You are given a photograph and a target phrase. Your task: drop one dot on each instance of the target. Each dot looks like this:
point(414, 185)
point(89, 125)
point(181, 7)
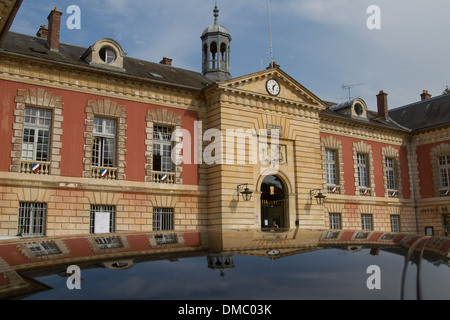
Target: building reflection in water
point(24, 261)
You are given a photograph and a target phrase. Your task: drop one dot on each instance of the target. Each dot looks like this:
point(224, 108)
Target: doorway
point(447, 225)
point(273, 205)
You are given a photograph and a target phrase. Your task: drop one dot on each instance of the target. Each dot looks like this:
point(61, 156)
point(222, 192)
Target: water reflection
point(228, 265)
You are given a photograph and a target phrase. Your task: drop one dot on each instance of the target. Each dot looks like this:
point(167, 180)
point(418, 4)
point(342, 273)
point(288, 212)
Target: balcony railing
point(392, 193)
point(365, 191)
point(163, 177)
point(36, 167)
point(444, 192)
point(334, 189)
point(107, 173)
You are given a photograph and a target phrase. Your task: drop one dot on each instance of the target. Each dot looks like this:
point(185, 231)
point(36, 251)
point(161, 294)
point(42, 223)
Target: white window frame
point(390, 173)
point(395, 223)
point(366, 221)
point(162, 147)
point(335, 221)
point(363, 179)
point(104, 139)
point(330, 167)
point(38, 121)
point(444, 171)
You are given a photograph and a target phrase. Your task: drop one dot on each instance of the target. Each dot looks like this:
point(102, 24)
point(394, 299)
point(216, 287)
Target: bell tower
point(216, 50)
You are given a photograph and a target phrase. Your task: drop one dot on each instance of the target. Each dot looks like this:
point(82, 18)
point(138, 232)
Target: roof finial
point(216, 14)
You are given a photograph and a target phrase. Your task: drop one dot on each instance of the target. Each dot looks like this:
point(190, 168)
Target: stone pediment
point(256, 84)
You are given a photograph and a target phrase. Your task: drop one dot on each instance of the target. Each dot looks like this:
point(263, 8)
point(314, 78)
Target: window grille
point(366, 222)
point(162, 219)
point(166, 238)
point(108, 242)
point(395, 223)
point(31, 220)
point(44, 248)
point(101, 208)
point(335, 221)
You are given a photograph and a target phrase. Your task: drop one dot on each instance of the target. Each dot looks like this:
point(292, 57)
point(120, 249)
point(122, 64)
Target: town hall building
point(96, 142)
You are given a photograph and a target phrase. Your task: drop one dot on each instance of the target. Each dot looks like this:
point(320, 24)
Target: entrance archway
point(273, 204)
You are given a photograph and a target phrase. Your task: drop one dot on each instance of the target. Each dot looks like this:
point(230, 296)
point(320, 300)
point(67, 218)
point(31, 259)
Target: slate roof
point(424, 114)
point(68, 54)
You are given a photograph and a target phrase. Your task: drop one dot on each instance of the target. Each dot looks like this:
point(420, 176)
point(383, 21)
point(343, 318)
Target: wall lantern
point(244, 191)
point(317, 193)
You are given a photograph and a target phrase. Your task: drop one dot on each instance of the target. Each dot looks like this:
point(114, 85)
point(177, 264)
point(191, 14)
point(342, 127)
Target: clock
point(273, 87)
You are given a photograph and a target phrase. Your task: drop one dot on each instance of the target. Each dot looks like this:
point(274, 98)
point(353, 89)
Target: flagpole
point(270, 35)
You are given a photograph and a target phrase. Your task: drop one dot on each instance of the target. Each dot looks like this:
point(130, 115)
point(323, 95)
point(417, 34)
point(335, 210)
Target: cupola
point(216, 50)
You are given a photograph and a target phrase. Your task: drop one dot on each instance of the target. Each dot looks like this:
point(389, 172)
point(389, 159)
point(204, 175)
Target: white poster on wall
point(101, 222)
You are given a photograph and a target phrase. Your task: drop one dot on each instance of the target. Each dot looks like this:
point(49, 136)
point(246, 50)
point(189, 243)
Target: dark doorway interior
point(273, 205)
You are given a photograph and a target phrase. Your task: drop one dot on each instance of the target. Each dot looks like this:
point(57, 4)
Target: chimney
point(425, 95)
point(54, 27)
point(382, 105)
point(42, 32)
point(166, 61)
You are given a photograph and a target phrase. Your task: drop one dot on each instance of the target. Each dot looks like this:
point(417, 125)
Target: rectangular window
point(366, 222)
point(108, 242)
point(43, 248)
point(104, 147)
point(330, 162)
point(102, 219)
point(444, 171)
point(362, 170)
point(36, 134)
point(390, 173)
point(335, 221)
point(32, 218)
point(162, 219)
point(395, 223)
point(162, 149)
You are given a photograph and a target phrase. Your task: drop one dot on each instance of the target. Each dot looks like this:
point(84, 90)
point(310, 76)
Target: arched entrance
point(273, 204)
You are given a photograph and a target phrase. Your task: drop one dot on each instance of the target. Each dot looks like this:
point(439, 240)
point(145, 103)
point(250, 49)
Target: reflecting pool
point(258, 267)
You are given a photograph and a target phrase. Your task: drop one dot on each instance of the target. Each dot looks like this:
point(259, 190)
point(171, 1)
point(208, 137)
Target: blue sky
point(322, 44)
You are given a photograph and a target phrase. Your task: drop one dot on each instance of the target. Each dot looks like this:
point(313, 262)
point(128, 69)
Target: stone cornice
point(362, 131)
point(24, 69)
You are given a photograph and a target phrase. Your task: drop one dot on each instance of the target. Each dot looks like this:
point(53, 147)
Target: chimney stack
point(382, 105)
point(425, 95)
point(42, 32)
point(54, 27)
point(166, 61)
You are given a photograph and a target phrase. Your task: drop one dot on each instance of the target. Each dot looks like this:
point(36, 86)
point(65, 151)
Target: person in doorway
point(275, 225)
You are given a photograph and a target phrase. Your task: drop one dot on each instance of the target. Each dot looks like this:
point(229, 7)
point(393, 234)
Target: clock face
point(273, 87)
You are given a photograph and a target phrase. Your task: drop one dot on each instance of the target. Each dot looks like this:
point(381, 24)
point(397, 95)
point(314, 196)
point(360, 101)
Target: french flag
point(103, 173)
point(333, 189)
point(35, 167)
point(164, 177)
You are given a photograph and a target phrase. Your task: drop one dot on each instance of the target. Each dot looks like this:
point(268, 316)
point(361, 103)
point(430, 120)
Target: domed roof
point(215, 27)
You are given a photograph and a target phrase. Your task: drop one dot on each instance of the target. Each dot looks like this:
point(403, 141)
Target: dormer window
point(359, 110)
point(105, 52)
